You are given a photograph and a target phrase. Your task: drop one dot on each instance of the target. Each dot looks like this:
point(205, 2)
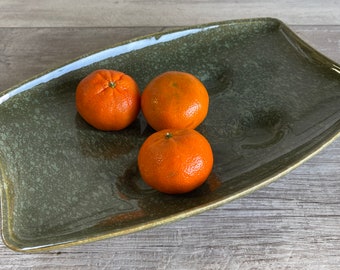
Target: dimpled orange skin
point(175, 99)
point(108, 99)
point(175, 161)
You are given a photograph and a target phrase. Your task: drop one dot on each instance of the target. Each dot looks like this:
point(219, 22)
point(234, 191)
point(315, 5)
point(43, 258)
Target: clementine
point(108, 99)
point(175, 99)
point(175, 161)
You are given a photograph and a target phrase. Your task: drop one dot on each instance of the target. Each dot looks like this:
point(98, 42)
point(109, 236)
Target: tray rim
point(8, 238)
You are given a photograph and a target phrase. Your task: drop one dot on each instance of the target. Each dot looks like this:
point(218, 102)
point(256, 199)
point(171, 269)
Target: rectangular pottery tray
point(274, 101)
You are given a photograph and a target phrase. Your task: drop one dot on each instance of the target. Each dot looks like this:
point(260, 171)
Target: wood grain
point(291, 224)
point(87, 13)
point(25, 52)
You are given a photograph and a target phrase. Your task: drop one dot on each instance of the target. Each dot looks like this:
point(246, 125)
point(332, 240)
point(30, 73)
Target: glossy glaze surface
point(274, 101)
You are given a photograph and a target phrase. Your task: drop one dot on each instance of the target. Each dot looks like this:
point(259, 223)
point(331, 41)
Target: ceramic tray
point(275, 101)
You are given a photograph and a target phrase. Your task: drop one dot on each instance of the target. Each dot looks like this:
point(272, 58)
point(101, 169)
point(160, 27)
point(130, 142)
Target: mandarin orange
point(175, 99)
point(175, 161)
point(108, 99)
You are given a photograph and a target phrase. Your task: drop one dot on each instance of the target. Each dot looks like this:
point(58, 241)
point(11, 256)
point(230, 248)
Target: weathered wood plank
point(291, 224)
point(87, 13)
point(25, 52)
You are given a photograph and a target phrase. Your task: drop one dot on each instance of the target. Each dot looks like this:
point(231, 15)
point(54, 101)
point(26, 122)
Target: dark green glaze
point(274, 101)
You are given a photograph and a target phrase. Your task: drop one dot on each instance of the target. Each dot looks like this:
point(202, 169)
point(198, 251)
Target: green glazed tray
point(274, 102)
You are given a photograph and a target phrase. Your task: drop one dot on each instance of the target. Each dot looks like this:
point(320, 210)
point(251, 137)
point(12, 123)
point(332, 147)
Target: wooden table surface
point(294, 223)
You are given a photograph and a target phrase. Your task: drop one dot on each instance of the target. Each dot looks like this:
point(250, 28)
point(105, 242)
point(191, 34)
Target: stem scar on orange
point(108, 99)
point(175, 99)
point(175, 161)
